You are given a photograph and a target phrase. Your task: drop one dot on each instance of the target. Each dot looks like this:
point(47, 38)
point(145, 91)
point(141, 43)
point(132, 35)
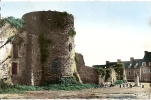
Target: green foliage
point(104, 72)
point(69, 86)
point(108, 74)
point(68, 80)
point(119, 82)
point(66, 14)
point(2, 22)
point(77, 61)
point(17, 23)
point(10, 39)
point(72, 33)
point(44, 50)
point(6, 88)
point(119, 69)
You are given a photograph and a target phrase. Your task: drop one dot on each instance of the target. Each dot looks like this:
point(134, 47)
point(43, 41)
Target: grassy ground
point(23, 88)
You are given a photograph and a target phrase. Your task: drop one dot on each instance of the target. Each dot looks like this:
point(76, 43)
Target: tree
point(119, 69)
point(104, 72)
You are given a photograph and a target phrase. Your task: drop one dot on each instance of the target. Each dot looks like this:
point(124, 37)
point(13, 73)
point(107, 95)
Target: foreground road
point(110, 92)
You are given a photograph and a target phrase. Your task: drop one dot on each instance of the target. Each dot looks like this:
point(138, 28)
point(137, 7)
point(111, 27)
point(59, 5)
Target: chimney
point(118, 60)
point(107, 62)
point(131, 59)
point(145, 52)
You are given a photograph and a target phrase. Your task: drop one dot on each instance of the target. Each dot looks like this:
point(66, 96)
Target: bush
point(119, 81)
point(72, 33)
point(17, 23)
point(68, 80)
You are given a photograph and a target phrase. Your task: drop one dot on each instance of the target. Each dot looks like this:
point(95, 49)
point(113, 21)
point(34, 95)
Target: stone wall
point(60, 62)
point(87, 74)
point(5, 68)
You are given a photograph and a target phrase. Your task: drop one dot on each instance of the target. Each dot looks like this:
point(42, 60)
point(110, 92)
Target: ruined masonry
point(5, 51)
point(26, 55)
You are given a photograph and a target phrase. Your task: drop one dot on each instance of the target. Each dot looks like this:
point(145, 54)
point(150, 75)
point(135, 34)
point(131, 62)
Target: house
point(141, 67)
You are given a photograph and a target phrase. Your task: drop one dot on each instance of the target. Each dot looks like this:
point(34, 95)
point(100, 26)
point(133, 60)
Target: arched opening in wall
point(70, 47)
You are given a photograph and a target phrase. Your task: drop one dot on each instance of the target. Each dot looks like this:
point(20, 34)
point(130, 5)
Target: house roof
point(133, 63)
point(146, 58)
point(126, 63)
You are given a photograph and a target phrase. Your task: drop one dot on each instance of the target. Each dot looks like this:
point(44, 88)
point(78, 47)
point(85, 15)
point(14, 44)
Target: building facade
point(141, 67)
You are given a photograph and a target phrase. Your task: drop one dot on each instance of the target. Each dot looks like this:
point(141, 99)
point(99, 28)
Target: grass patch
point(68, 86)
point(65, 84)
point(24, 88)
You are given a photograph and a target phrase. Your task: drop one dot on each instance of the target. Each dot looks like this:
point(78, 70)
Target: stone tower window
point(70, 47)
point(14, 68)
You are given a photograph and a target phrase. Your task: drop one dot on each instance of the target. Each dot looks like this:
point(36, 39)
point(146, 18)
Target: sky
point(106, 30)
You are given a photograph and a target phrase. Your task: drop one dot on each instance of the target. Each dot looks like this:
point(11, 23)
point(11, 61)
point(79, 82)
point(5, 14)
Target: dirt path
point(110, 92)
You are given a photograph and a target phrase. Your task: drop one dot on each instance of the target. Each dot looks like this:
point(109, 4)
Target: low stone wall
point(89, 75)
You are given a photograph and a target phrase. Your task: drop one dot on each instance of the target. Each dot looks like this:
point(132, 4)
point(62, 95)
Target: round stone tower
point(54, 56)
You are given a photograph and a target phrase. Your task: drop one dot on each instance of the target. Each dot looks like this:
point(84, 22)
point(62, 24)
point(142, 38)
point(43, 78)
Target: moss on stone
point(44, 50)
point(72, 32)
point(2, 22)
point(20, 41)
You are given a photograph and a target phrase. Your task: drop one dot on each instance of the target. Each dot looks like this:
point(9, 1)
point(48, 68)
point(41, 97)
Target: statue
point(136, 80)
point(136, 75)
